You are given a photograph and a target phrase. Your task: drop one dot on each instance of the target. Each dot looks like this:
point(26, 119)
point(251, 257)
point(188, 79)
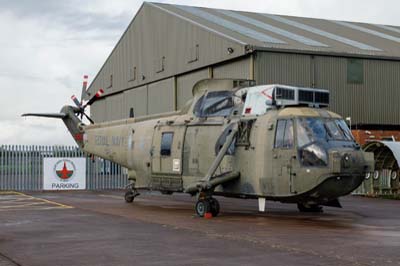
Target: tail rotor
point(80, 104)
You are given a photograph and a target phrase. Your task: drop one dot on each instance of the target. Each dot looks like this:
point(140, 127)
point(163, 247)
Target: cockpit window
point(214, 103)
point(316, 129)
point(333, 131)
point(345, 129)
point(284, 134)
point(316, 135)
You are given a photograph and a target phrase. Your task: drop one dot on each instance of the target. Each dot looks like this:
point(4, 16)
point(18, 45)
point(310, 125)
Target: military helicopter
point(233, 139)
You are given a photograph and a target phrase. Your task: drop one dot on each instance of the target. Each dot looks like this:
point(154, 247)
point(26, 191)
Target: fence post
point(2, 168)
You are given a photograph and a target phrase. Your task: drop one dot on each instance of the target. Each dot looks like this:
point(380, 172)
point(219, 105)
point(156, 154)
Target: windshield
point(315, 135)
point(311, 129)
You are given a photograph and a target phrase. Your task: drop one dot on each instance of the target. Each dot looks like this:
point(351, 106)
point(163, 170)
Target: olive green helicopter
point(232, 139)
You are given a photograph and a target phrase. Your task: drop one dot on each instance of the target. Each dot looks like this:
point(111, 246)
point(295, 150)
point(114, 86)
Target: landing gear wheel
point(129, 196)
point(202, 207)
point(214, 204)
point(309, 207)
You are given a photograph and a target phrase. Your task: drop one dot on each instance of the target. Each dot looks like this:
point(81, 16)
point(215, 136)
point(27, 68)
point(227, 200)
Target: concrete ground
point(99, 228)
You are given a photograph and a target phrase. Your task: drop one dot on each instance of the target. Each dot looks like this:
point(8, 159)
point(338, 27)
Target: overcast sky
point(46, 46)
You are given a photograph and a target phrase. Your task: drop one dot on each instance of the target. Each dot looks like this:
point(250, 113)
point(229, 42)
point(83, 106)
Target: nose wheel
point(204, 206)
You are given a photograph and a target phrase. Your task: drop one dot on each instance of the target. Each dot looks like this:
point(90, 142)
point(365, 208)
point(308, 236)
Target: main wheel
point(129, 196)
point(202, 207)
point(309, 207)
point(214, 204)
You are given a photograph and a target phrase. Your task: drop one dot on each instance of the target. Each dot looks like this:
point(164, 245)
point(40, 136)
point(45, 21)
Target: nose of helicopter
point(352, 162)
point(347, 172)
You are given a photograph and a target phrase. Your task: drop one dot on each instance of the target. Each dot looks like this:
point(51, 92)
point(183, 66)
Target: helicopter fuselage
point(172, 152)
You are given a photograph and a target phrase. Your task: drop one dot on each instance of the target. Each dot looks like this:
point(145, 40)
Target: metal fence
point(21, 168)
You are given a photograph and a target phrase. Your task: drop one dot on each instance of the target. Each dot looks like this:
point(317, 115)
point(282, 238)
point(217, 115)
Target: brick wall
point(363, 136)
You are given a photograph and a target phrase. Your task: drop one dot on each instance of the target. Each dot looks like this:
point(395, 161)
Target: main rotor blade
point(98, 95)
point(49, 115)
point(84, 87)
point(76, 101)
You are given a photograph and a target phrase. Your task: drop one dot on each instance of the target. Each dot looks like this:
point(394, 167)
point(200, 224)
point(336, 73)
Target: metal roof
point(285, 33)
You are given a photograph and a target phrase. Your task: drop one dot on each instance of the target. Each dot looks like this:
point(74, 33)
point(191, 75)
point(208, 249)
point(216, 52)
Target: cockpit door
point(284, 156)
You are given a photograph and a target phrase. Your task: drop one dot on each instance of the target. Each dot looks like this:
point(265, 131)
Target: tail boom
point(71, 121)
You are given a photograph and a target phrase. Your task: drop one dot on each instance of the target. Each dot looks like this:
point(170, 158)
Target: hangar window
point(284, 134)
point(166, 143)
point(131, 112)
point(355, 71)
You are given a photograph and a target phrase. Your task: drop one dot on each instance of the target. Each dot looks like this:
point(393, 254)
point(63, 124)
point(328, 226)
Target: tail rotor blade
point(88, 117)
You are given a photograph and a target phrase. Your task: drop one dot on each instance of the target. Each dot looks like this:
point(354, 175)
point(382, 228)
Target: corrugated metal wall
point(157, 97)
point(161, 96)
point(21, 168)
point(114, 107)
point(237, 69)
point(158, 45)
point(137, 99)
point(98, 111)
point(289, 69)
point(374, 101)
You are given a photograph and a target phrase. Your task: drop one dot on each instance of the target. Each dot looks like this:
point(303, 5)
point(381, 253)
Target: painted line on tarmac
point(34, 202)
point(45, 200)
point(8, 193)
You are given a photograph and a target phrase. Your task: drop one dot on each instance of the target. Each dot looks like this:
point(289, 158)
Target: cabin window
point(284, 134)
point(131, 112)
point(214, 103)
point(166, 143)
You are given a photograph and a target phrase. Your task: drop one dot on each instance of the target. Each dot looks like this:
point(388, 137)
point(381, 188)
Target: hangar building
point(166, 49)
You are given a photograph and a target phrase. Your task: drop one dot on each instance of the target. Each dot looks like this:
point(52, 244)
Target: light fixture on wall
point(230, 50)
